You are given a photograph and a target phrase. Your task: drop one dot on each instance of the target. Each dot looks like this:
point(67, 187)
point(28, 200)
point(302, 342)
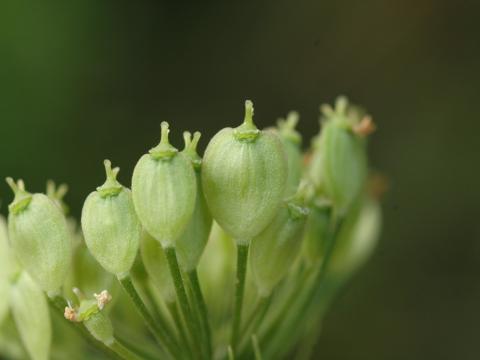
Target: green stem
point(160, 336)
point(171, 255)
point(142, 350)
point(304, 302)
point(177, 319)
point(123, 352)
point(242, 256)
point(202, 307)
point(256, 348)
point(59, 304)
point(255, 320)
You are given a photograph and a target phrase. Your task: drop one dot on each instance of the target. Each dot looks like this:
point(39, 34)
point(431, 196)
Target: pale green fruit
point(100, 326)
point(4, 269)
point(244, 175)
point(343, 158)
point(191, 243)
point(292, 142)
point(32, 318)
point(39, 237)
point(156, 265)
point(275, 249)
point(357, 241)
point(217, 271)
point(164, 191)
point(110, 225)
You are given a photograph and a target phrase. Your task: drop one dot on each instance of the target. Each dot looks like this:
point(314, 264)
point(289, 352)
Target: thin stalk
point(159, 316)
point(160, 336)
point(255, 320)
point(182, 298)
point(59, 304)
point(306, 300)
point(242, 257)
point(177, 319)
point(202, 307)
point(123, 352)
point(144, 352)
point(256, 348)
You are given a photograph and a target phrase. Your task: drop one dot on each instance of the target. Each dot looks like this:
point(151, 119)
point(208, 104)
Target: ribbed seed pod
point(292, 142)
point(32, 317)
point(357, 239)
point(110, 225)
point(192, 242)
point(156, 265)
point(164, 191)
point(39, 237)
point(343, 154)
point(4, 269)
point(90, 313)
point(244, 175)
point(100, 327)
point(275, 249)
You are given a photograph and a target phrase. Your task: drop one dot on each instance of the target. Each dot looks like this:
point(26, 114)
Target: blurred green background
point(82, 80)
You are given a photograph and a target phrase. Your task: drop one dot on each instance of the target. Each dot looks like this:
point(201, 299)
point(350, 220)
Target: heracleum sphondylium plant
point(234, 256)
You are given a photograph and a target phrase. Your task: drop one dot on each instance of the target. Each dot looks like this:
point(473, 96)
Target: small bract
point(244, 174)
point(110, 225)
point(164, 191)
point(39, 237)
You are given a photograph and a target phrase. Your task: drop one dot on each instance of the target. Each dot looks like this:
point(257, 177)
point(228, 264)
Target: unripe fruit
point(292, 142)
point(32, 317)
point(358, 238)
point(100, 327)
point(344, 161)
point(164, 191)
point(4, 269)
point(192, 242)
point(156, 265)
point(244, 174)
point(110, 225)
point(275, 249)
point(39, 237)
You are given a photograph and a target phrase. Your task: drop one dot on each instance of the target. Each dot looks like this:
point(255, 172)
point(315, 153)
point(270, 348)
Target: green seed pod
point(244, 175)
point(90, 313)
point(4, 269)
point(100, 327)
point(275, 249)
point(357, 239)
point(110, 225)
point(32, 317)
point(316, 232)
point(191, 244)
point(39, 237)
point(344, 161)
point(217, 271)
point(292, 142)
point(164, 191)
point(156, 265)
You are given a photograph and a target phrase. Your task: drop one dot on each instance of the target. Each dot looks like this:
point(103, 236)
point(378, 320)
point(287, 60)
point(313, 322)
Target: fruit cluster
point(234, 255)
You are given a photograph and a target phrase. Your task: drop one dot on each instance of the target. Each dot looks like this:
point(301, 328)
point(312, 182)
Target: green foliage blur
point(84, 80)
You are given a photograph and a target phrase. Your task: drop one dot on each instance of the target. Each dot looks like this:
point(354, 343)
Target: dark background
point(82, 80)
